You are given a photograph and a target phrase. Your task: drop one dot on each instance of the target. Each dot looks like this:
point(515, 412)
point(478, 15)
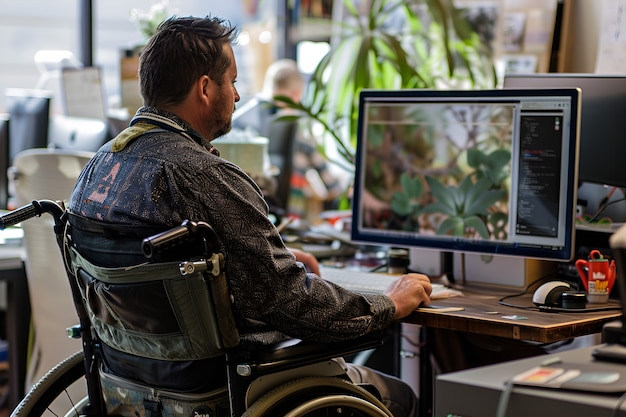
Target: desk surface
point(483, 314)
point(477, 392)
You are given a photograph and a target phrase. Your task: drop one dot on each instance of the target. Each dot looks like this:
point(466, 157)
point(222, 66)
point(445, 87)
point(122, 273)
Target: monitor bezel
point(477, 247)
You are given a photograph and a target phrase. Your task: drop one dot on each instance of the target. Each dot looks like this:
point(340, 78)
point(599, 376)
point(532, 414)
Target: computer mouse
point(549, 294)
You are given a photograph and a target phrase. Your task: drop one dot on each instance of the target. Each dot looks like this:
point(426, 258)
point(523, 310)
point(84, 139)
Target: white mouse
point(549, 294)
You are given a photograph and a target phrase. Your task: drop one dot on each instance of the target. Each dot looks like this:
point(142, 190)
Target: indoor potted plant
point(390, 44)
point(147, 23)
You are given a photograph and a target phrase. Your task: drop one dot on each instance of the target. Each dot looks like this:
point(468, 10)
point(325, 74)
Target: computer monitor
point(602, 127)
point(29, 110)
point(79, 133)
point(479, 171)
point(82, 92)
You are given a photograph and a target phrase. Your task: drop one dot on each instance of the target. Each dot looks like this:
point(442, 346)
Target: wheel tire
point(338, 402)
point(293, 394)
point(52, 387)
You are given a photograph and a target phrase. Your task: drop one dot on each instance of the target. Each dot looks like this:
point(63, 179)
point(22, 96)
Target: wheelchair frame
point(291, 379)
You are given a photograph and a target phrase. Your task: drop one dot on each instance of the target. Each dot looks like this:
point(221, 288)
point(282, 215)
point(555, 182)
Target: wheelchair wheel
point(61, 392)
point(337, 404)
point(318, 396)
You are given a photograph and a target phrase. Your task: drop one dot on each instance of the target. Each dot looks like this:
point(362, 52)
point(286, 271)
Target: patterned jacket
point(169, 174)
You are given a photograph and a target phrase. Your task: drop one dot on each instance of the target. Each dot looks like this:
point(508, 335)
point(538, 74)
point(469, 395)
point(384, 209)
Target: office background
point(32, 25)
point(28, 26)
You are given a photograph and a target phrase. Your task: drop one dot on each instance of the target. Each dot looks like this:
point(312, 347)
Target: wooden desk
point(483, 315)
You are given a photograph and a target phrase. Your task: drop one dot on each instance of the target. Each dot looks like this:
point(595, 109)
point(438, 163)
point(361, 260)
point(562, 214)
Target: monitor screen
point(483, 171)
point(29, 110)
point(602, 128)
point(82, 92)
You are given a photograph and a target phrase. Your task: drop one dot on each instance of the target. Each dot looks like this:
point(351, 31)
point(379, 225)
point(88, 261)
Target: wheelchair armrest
point(294, 352)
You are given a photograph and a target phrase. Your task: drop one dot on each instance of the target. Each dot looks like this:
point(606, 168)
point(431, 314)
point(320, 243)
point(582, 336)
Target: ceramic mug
point(598, 276)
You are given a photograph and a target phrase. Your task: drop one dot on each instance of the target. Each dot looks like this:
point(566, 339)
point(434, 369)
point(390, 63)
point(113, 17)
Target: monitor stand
point(428, 261)
point(499, 271)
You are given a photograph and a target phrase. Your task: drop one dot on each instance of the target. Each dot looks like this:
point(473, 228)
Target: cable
point(379, 267)
point(503, 402)
point(524, 292)
point(602, 208)
point(551, 309)
point(619, 405)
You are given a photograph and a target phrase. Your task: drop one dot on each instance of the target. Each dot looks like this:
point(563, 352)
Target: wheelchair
point(192, 320)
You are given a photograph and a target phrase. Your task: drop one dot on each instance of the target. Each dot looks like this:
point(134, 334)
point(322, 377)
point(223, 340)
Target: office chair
point(282, 139)
point(261, 117)
point(50, 174)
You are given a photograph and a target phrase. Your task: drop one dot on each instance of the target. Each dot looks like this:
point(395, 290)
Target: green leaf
point(412, 186)
point(475, 158)
point(441, 194)
point(370, 53)
point(401, 204)
point(477, 224)
point(437, 207)
point(451, 226)
point(487, 199)
point(474, 192)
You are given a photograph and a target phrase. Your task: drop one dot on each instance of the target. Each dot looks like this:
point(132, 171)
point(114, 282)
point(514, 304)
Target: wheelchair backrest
point(160, 311)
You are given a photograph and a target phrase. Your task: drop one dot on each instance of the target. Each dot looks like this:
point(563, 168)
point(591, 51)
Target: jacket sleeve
point(270, 290)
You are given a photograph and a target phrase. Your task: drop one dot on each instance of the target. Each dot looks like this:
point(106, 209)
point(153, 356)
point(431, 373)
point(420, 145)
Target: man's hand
point(309, 261)
point(409, 292)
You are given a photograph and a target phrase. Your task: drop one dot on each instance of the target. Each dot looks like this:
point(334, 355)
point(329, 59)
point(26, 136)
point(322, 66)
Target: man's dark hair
point(181, 51)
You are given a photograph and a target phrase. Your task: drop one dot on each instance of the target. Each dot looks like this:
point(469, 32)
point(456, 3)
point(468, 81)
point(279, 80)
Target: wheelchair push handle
point(34, 209)
point(157, 243)
point(163, 241)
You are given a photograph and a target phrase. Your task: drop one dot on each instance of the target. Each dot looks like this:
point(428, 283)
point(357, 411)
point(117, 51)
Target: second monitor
point(602, 129)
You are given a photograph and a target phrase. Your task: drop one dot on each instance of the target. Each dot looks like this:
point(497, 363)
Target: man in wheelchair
point(162, 170)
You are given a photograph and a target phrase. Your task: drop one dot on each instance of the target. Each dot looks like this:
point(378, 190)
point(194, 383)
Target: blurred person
point(312, 178)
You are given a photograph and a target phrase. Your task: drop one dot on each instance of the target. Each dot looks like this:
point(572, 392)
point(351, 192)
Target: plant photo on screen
point(451, 178)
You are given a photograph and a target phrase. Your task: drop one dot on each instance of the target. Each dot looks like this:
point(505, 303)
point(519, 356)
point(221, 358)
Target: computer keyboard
point(366, 282)
point(357, 280)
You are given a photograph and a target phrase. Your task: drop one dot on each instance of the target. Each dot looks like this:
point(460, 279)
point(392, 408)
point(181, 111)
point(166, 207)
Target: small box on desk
point(500, 271)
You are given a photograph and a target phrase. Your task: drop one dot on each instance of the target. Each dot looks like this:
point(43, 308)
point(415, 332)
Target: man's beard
point(224, 130)
point(227, 127)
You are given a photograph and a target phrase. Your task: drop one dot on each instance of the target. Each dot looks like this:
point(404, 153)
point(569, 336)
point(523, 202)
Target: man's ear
point(204, 86)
